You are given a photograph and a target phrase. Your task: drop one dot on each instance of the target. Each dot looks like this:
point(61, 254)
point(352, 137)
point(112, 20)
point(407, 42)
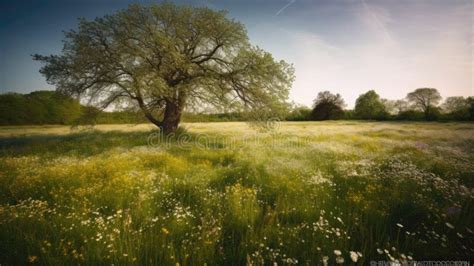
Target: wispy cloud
point(285, 7)
point(377, 19)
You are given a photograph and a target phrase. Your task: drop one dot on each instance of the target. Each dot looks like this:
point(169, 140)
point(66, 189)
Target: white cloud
point(397, 50)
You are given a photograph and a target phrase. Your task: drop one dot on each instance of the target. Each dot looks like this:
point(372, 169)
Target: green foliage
point(459, 115)
point(120, 117)
point(455, 104)
point(218, 117)
point(470, 101)
point(300, 113)
point(38, 107)
point(46, 107)
point(163, 58)
point(327, 106)
point(411, 115)
point(425, 99)
point(349, 115)
point(369, 106)
point(13, 109)
point(433, 114)
point(457, 108)
point(395, 107)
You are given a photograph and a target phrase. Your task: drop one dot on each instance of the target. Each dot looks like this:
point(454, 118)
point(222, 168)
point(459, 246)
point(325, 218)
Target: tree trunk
point(171, 118)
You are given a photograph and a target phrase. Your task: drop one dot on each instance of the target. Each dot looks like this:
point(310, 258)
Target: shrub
point(411, 115)
point(299, 114)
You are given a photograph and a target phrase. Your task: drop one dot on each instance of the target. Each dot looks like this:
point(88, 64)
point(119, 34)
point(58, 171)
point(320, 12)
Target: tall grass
point(312, 193)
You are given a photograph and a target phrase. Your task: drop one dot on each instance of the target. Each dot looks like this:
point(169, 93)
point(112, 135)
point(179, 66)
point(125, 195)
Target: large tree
point(327, 106)
point(164, 58)
point(425, 99)
point(370, 106)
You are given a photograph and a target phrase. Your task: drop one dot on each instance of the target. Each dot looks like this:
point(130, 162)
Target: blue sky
point(347, 47)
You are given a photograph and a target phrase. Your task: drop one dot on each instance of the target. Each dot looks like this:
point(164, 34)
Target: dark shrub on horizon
point(328, 106)
point(411, 115)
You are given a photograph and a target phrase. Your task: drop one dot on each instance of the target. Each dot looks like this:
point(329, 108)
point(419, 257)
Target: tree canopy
point(455, 104)
point(327, 106)
point(38, 107)
point(457, 108)
point(370, 106)
point(164, 58)
point(425, 99)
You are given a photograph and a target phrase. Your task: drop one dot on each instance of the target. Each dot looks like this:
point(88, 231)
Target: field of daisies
point(304, 193)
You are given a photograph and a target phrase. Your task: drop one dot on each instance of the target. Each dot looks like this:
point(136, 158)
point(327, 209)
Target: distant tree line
point(424, 104)
point(420, 104)
point(38, 107)
point(51, 107)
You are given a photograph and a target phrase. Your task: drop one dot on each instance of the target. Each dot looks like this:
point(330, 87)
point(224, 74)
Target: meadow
point(303, 193)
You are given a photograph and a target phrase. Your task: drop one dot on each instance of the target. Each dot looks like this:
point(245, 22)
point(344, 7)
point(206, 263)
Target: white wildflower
point(354, 256)
point(450, 225)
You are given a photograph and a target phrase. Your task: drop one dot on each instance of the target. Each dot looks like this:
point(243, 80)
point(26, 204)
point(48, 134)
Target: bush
point(411, 115)
point(299, 114)
point(433, 114)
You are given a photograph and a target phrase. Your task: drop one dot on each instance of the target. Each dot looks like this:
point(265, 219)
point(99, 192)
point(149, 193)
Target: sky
point(344, 46)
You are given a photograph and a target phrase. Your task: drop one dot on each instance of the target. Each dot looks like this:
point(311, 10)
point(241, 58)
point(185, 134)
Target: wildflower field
point(303, 193)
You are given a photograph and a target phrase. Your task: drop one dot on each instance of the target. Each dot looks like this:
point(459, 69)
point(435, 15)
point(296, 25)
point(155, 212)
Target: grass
point(224, 193)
